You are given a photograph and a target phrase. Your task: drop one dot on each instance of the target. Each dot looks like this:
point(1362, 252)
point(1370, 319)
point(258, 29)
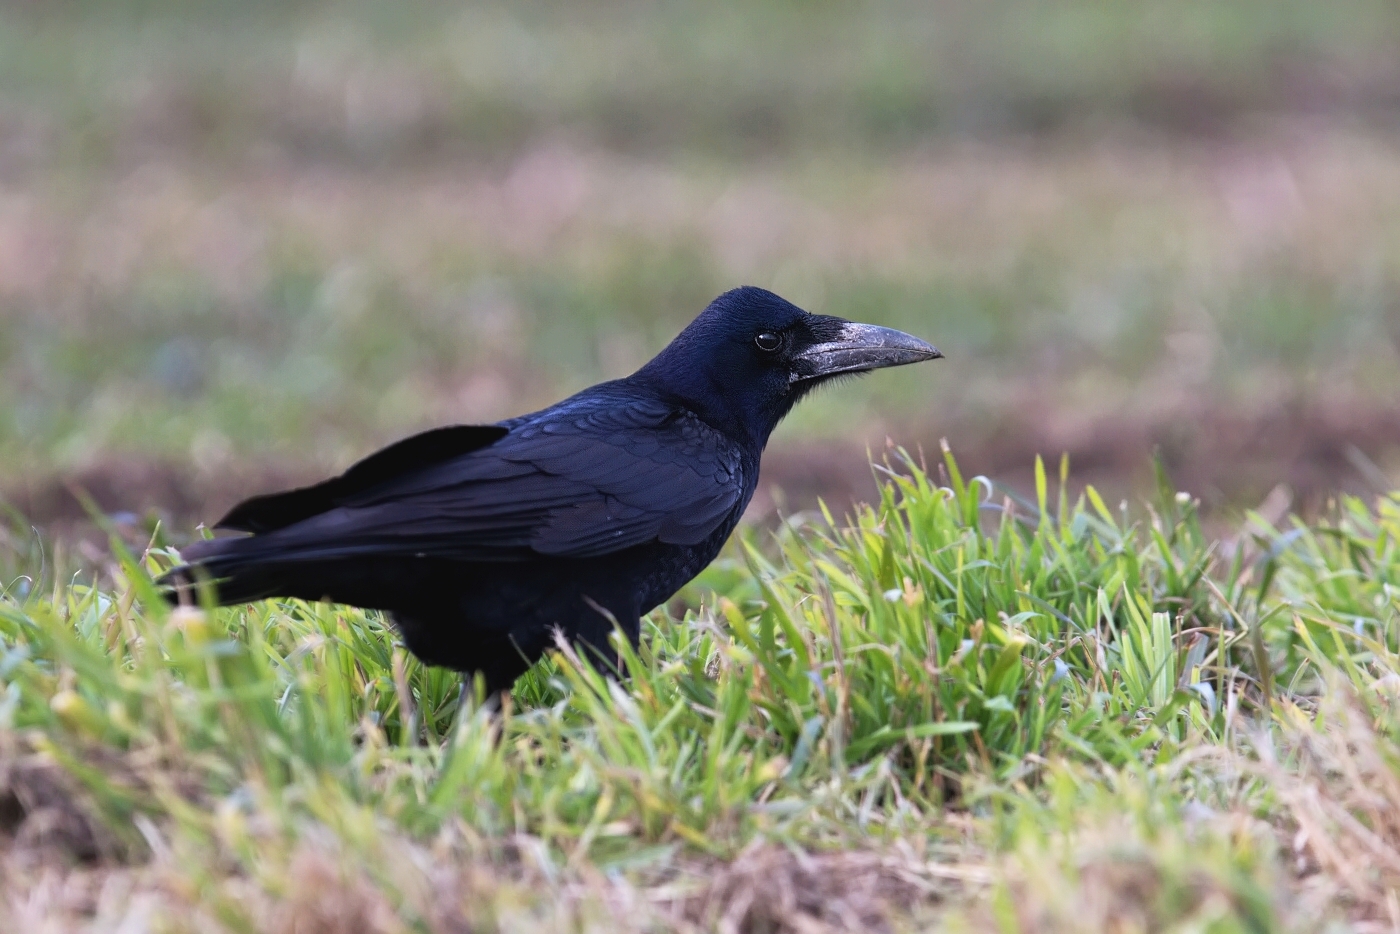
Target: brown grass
point(43, 812)
point(1339, 787)
point(456, 884)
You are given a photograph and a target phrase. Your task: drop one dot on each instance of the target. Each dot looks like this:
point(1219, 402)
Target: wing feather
point(587, 478)
point(280, 510)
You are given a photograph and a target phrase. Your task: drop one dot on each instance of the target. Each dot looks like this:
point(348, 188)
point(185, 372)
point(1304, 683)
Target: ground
point(1048, 716)
point(244, 243)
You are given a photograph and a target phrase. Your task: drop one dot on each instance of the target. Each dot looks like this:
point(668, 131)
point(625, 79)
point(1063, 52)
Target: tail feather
point(232, 570)
point(242, 570)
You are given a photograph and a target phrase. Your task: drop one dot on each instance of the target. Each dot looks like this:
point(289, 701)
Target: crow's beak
point(858, 348)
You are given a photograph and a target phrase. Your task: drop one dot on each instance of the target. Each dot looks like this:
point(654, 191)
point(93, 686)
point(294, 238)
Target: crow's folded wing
point(279, 510)
point(580, 480)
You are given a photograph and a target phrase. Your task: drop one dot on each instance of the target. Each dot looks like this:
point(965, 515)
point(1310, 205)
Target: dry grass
point(1115, 872)
point(320, 889)
point(43, 811)
point(1337, 779)
point(62, 871)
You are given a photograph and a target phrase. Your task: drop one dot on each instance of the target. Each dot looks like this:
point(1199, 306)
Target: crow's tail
point(234, 570)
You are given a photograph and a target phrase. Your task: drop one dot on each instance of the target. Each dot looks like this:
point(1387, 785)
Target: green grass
point(1046, 715)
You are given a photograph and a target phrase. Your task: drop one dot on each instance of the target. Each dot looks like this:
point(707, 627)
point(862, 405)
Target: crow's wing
point(279, 510)
point(586, 478)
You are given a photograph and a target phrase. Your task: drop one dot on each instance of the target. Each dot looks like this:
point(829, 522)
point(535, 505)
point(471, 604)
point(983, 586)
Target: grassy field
point(244, 243)
point(952, 709)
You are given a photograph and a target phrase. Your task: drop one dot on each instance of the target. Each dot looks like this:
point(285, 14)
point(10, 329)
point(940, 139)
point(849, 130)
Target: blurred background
point(244, 243)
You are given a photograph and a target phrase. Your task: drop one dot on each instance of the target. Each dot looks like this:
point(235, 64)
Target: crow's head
point(750, 356)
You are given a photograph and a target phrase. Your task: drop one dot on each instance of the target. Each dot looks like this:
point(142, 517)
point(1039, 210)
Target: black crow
point(480, 540)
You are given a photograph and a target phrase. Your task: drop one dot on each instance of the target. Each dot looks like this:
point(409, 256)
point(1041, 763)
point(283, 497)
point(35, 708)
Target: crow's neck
point(746, 420)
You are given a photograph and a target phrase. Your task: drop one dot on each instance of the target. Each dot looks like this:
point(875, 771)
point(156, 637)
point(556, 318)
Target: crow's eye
point(768, 341)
